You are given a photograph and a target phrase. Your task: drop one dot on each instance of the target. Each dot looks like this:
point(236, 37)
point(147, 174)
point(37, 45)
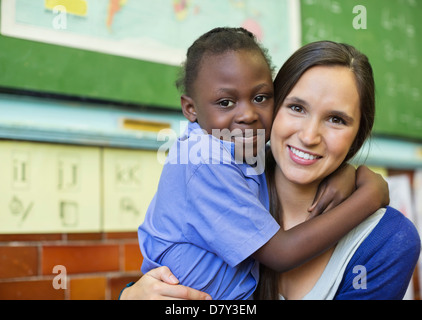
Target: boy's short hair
point(214, 42)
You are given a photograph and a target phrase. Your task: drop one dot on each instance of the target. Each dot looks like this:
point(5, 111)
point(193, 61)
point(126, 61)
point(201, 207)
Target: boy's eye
point(260, 99)
point(226, 103)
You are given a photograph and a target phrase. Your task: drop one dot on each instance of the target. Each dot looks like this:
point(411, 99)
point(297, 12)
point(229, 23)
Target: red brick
point(88, 288)
point(133, 257)
point(18, 261)
point(81, 258)
point(30, 290)
point(84, 236)
point(122, 235)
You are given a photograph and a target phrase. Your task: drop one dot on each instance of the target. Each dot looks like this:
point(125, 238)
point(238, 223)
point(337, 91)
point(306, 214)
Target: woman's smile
point(302, 157)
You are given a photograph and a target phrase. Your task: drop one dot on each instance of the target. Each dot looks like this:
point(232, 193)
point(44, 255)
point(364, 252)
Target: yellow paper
point(130, 182)
point(47, 188)
point(77, 7)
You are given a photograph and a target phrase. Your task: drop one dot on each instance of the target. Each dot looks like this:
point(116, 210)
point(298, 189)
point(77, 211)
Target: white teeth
point(302, 154)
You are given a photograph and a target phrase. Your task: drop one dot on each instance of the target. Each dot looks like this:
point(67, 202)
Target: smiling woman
point(316, 124)
point(324, 111)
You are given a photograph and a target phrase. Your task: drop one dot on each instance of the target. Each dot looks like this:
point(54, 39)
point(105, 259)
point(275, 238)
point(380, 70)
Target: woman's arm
point(291, 248)
point(161, 284)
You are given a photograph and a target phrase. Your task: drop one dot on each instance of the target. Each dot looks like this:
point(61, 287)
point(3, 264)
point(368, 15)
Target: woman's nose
point(310, 134)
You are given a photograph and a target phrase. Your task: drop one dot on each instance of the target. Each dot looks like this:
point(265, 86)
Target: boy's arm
point(289, 249)
point(333, 190)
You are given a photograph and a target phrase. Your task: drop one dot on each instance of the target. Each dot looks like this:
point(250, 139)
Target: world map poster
point(158, 30)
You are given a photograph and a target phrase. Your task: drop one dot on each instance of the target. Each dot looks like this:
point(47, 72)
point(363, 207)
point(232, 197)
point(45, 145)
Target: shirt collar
point(194, 128)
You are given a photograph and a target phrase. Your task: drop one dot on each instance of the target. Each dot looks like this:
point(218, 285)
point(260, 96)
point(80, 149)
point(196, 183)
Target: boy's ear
point(188, 108)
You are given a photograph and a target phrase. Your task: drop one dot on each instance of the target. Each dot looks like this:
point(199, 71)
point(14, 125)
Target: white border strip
point(296, 31)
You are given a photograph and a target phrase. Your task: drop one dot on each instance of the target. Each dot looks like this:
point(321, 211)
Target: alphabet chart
point(49, 188)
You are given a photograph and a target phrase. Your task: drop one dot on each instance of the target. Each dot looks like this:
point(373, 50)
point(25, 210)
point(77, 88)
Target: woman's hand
point(334, 190)
point(161, 284)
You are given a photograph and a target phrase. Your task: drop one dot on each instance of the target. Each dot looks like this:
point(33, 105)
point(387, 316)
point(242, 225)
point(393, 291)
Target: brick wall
point(98, 265)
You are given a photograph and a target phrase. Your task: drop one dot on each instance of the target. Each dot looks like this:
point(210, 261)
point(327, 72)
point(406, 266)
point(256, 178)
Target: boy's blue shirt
point(206, 219)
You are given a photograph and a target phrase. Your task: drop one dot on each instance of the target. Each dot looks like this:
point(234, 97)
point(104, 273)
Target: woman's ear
point(188, 108)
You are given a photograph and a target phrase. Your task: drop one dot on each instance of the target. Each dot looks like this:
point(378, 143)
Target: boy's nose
point(247, 113)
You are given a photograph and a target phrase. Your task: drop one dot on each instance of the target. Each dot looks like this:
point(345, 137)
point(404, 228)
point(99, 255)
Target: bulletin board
point(389, 33)
point(125, 50)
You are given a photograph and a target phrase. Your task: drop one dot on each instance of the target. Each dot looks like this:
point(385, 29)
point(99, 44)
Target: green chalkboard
point(41, 67)
point(391, 39)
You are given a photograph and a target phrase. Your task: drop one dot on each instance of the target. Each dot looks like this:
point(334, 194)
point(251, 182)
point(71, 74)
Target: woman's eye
point(337, 120)
point(226, 103)
point(296, 108)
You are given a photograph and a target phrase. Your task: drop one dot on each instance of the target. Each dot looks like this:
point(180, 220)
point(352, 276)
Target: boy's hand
point(333, 190)
point(375, 184)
